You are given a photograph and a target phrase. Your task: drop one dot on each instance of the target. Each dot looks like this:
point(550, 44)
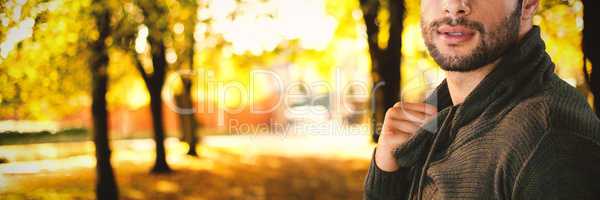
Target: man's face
point(464, 35)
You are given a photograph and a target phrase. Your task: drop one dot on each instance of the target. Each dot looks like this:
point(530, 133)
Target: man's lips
point(454, 35)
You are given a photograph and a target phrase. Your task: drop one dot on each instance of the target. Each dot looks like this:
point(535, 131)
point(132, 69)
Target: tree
point(154, 18)
point(155, 22)
point(385, 56)
point(591, 43)
point(106, 186)
point(188, 124)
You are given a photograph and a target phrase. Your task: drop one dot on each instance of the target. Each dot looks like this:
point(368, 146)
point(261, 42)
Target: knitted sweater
point(523, 133)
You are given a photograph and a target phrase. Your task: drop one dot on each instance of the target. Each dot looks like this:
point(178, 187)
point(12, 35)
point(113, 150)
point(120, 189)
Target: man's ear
point(529, 8)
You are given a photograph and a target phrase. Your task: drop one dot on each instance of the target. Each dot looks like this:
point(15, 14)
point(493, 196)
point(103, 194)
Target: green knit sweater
point(523, 133)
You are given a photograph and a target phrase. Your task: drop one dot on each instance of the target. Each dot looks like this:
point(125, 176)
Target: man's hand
point(400, 123)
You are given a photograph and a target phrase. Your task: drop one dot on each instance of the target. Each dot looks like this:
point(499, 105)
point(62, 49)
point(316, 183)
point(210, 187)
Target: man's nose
point(456, 8)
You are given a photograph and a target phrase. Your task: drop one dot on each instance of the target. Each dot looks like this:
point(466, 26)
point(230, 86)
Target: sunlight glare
point(140, 41)
point(15, 35)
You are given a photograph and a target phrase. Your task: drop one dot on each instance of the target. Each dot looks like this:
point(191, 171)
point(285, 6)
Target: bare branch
point(140, 67)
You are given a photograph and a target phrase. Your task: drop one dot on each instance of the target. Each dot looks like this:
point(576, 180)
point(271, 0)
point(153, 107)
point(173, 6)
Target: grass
point(13, 137)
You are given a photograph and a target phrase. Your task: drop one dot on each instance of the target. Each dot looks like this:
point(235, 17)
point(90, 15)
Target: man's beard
point(491, 46)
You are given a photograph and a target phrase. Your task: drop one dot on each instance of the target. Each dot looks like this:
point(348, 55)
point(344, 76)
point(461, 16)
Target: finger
point(429, 118)
point(420, 107)
point(405, 126)
point(392, 131)
point(408, 115)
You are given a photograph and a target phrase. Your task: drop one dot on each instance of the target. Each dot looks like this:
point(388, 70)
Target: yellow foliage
point(55, 55)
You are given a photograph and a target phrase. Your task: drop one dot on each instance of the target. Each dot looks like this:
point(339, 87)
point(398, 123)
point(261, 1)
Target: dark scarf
point(519, 74)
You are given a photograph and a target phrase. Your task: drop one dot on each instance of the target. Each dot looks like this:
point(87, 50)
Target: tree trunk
point(155, 17)
point(106, 186)
point(160, 163)
point(385, 62)
point(591, 43)
point(156, 83)
point(187, 121)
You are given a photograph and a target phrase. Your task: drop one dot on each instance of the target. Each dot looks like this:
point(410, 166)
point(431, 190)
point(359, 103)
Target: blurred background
point(219, 99)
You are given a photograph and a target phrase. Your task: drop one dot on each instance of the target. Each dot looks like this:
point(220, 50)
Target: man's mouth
point(455, 35)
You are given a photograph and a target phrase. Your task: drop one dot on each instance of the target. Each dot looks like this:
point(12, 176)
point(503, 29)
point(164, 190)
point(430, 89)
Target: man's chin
point(449, 51)
point(458, 68)
point(457, 64)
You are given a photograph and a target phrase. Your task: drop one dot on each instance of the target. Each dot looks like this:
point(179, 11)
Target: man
point(501, 125)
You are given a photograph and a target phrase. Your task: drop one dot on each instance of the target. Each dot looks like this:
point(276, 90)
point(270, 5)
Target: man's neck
point(461, 84)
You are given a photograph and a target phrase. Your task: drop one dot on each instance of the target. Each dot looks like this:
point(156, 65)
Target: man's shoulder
point(556, 106)
point(557, 109)
point(553, 132)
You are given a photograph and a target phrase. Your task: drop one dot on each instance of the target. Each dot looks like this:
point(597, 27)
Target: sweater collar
point(520, 73)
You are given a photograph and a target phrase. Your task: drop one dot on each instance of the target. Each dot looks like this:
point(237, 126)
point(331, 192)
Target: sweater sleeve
point(564, 165)
point(382, 185)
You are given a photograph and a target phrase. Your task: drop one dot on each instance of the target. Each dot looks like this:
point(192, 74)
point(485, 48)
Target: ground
point(229, 167)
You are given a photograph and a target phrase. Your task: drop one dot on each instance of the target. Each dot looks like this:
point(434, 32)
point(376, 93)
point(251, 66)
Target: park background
point(78, 78)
